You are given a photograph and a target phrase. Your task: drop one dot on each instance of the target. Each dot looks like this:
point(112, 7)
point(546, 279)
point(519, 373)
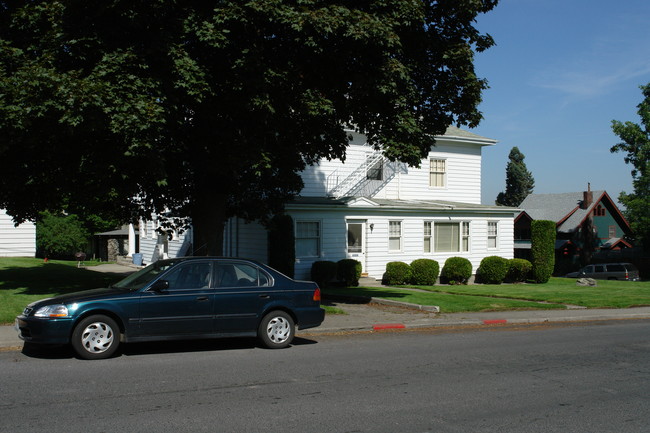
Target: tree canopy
point(636, 146)
point(208, 110)
point(519, 181)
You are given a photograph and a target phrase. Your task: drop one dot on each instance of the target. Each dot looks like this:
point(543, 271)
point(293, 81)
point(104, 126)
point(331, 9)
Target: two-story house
point(377, 211)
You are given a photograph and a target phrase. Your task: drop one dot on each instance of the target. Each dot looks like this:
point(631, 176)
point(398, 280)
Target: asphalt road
point(535, 378)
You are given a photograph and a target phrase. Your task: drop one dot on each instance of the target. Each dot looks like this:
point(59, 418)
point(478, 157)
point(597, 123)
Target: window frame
point(437, 174)
point(463, 239)
point(392, 236)
point(317, 238)
point(493, 235)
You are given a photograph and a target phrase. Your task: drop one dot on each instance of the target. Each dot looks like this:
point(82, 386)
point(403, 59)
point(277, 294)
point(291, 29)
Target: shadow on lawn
point(53, 278)
point(360, 295)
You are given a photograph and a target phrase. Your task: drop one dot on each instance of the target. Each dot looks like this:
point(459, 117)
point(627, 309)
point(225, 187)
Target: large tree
point(636, 145)
point(519, 181)
point(208, 110)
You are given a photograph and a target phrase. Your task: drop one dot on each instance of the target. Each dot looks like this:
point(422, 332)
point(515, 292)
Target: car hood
point(85, 295)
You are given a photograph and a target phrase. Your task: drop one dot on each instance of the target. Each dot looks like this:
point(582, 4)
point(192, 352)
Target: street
point(584, 377)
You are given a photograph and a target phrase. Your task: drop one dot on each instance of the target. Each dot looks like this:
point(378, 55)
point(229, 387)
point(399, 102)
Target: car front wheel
point(276, 330)
point(96, 337)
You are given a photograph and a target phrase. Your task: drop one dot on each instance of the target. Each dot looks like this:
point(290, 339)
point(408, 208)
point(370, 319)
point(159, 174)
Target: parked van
point(608, 271)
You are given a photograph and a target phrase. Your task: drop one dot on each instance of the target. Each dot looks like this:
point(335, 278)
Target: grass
point(607, 294)
point(448, 303)
point(25, 280)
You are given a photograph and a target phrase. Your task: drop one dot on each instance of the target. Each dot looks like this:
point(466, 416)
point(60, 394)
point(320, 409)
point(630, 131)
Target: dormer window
point(375, 171)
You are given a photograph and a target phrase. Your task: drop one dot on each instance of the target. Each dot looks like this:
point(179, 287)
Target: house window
point(308, 239)
point(437, 173)
point(374, 171)
point(451, 237)
point(599, 211)
point(394, 236)
point(427, 236)
point(465, 236)
point(492, 234)
point(612, 231)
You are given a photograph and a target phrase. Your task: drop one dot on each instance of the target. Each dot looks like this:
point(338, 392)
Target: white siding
point(247, 240)
point(463, 181)
point(333, 245)
point(151, 251)
point(16, 241)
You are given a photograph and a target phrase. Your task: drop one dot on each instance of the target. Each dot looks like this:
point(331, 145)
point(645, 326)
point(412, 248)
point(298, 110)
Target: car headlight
point(52, 311)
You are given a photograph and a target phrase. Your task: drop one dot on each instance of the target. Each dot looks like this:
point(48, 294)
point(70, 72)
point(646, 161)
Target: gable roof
point(454, 133)
point(565, 209)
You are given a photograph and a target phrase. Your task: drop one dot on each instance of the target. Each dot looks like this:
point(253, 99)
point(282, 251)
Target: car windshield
point(144, 276)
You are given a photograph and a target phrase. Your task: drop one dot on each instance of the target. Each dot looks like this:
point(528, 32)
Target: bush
point(493, 270)
point(322, 272)
point(457, 270)
point(518, 270)
point(348, 271)
point(397, 273)
point(60, 235)
point(424, 272)
point(542, 237)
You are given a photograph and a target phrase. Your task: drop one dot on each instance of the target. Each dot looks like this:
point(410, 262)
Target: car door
point(184, 307)
point(242, 290)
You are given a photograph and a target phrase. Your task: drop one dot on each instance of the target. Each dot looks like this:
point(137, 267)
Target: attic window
point(437, 172)
point(599, 211)
point(375, 171)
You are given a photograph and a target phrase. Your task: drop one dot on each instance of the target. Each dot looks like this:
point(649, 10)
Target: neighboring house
point(377, 211)
point(571, 212)
point(16, 241)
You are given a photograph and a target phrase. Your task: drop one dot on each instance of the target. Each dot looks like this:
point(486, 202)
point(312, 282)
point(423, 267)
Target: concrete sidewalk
point(375, 316)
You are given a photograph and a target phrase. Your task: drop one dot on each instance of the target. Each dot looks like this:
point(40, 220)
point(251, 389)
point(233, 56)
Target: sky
point(560, 72)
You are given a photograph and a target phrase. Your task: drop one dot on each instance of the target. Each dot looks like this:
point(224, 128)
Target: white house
point(16, 241)
point(377, 211)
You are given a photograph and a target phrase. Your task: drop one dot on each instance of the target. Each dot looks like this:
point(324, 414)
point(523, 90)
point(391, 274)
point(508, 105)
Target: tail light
point(317, 294)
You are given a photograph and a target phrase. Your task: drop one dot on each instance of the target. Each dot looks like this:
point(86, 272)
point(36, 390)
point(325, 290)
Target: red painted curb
point(494, 322)
point(388, 326)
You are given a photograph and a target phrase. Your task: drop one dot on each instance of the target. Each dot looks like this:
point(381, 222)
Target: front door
point(356, 248)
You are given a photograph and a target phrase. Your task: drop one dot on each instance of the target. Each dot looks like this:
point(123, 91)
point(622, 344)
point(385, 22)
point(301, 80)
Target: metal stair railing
point(355, 178)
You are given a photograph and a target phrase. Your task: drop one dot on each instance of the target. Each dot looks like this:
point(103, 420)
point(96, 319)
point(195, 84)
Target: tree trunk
point(208, 222)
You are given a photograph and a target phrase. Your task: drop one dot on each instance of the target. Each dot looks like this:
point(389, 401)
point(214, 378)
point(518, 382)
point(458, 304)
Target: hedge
point(493, 270)
point(457, 270)
point(348, 271)
point(397, 273)
point(518, 270)
point(424, 272)
point(542, 239)
point(323, 272)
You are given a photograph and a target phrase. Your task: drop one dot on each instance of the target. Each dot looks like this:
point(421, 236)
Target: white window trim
point(319, 247)
point(400, 237)
point(429, 236)
point(461, 236)
point(495, 236)
point(444, 173)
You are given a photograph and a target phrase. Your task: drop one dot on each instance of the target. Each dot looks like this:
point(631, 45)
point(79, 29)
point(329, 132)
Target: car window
point(144, 276)
point(588, 269)
point(235, 274)
point(615, 268)
point(189, 276)
point(599, 268)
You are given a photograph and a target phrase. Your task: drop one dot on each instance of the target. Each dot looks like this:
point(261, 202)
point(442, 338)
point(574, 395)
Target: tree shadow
point(54, 279)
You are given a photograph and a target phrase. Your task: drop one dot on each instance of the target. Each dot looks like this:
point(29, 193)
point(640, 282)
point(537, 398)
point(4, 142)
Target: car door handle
point(264, 296)
point(202, 298)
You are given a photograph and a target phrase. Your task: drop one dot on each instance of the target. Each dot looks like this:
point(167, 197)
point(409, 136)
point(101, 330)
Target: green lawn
point(607, 294)
point(25, 280)
point(448, 303)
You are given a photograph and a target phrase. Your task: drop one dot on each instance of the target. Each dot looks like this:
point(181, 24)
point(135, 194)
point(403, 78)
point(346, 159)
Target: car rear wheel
point(96, 337)
point(276, 330)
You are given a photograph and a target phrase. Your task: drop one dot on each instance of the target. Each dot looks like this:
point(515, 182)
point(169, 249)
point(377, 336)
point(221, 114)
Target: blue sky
point(561, 71)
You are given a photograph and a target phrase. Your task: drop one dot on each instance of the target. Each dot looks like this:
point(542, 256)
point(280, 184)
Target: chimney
point(587, 197)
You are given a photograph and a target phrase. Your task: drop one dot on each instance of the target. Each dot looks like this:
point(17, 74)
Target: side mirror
point(160, 286)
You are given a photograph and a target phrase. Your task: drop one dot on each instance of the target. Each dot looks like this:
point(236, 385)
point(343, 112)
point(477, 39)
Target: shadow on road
point(155, 348)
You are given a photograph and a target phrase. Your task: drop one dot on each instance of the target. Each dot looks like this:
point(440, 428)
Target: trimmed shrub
point(348, 271)
point(518, 270)
point(323, 272)
point(457, 270)
point(397, 273)
point(424, 272)
point(493, 270)
point(542, 237)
